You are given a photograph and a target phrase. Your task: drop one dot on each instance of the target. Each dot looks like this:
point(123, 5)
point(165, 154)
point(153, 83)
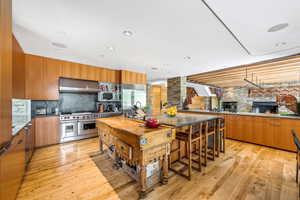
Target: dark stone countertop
point(182, 119)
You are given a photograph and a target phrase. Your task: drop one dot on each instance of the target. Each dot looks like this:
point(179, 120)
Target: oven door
point(69, 129)
point(87, 127)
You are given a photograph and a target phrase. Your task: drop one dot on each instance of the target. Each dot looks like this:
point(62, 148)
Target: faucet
point(138, 102)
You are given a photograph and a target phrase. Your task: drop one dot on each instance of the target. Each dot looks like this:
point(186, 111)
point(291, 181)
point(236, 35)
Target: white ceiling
point(164, 33)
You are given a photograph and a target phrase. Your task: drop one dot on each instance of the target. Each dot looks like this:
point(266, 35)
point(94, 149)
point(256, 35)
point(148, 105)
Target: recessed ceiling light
point(127, 33)
point(101, 55)
point(111, 48)
point(59, 45)
point(278, 27)
point(280, 44)
point(154, 68)
point(187, 58)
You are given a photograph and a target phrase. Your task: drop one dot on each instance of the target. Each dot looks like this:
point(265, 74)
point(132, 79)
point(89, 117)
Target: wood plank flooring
point(246, 172)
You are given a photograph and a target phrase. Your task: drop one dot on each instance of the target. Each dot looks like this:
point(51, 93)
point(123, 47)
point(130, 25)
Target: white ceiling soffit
point(169, 38)
point(261, 27)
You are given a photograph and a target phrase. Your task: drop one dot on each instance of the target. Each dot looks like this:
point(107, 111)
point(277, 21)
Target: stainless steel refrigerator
point(133, 94)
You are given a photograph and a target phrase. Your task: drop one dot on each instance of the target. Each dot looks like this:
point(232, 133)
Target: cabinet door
point(34, 84)
point(263, 131)
point(51, 76)
point(283, 138)
point(87, 72)
point(71, 70)
point(46, 131)
point(246, 128)
point(12, 168)
point(229, 123)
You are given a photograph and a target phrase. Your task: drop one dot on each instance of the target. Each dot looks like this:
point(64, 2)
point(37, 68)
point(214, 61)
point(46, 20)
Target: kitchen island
point(272, 130)
point(140, 151)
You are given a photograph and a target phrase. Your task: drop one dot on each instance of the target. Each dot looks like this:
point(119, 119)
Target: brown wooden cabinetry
point(282, 131)
point(18, 71)
point(70, 70)
point(12, 167)
point(128, 77)
point(51, 73)
point(46, 131)
point(34, 84)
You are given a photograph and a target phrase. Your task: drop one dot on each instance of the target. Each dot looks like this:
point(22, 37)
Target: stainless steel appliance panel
point(69, 129)
point(87, 127)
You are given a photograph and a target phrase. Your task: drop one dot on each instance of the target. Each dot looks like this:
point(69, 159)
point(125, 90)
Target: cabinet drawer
point(124, 150)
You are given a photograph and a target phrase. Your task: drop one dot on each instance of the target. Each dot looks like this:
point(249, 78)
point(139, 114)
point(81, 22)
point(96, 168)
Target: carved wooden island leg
point(143, 192)
point(165, 170)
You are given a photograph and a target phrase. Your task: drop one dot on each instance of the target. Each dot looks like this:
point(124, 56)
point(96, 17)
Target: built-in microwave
point(108, 96)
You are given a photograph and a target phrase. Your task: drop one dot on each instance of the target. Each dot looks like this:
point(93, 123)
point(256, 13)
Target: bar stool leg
point(200, 153)
point(206, 145)
point(189, 154)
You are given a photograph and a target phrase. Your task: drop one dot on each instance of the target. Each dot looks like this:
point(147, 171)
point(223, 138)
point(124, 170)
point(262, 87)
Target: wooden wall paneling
point(51, 73)
point(18, 70)
point(46, 131)
point(5, 70)
point(34, 83)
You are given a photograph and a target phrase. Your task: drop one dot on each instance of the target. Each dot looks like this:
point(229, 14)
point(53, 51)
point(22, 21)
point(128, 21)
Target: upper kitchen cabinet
point(18, 70)
point(88, 72)
point(108, 75)
point(70, 70)
point(34, 84)
point(128, 77)
point(51, 75)
point(42, 76)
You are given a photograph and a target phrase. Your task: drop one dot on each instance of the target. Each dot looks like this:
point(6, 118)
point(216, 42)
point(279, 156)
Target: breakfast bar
point(144, 152)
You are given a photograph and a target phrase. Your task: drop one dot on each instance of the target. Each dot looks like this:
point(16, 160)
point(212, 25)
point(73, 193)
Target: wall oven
point(69, 130)
point(87, 127)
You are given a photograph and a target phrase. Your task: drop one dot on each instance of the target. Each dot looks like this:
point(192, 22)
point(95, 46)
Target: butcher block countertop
point(129, 125)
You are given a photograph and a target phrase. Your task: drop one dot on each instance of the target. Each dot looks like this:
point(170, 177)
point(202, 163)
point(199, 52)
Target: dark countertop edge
point(243, 114)
point(41, 116)
point(179, 125)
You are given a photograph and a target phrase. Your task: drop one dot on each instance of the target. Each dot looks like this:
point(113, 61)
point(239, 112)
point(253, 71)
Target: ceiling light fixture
point(278, 27)
point(127, 33)
point(154, 68)
point(111, 48)
point(187, 58)
point(59, 45)
point(101, 55)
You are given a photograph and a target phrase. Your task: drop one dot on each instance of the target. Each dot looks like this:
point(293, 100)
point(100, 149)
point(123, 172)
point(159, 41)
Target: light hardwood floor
point(247, 171)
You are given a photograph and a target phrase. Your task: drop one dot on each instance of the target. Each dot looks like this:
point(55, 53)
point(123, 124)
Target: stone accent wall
point(176, 91)
point(245, 97)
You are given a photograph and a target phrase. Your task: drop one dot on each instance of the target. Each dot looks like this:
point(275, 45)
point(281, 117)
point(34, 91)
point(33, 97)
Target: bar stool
point(221, 136)
point(192, 136)
point(209, 139)
point(297, 143)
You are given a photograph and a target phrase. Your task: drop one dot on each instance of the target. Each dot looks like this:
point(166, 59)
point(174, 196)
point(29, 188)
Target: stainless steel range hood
point(201, 90)
point(80, 86)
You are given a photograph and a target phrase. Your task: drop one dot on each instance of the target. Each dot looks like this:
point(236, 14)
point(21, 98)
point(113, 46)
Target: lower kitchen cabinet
point(46, 131)
point(12, 167)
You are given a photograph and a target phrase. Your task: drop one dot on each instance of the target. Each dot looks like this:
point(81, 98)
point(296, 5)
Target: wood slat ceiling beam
point(292, 68)
point(267, 72)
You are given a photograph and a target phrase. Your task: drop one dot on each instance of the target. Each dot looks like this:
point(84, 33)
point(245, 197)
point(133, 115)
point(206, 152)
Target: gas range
point(79, 116)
